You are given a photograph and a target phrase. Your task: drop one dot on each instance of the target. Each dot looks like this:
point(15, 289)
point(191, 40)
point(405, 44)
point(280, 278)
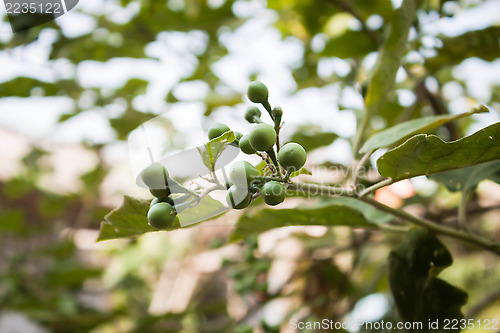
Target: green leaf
point(302, 171)
point(343, 46)
point(427, 154)
point(370, 213)
point(129, 220)
point(483, 44)
point(207, 208)
point(389, 60)
point(212, 150)
point(419, 295)
point(311, 137)
point(468, 178)
point(334, 213)
point(400, 131)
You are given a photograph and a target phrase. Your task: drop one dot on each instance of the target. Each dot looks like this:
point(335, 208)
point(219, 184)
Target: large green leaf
point(419, 295)
point(468, 178)
point(390, 56)
point(129, 220)
point(403, 130)
point(427, 154)
point(335, 212)
point(370, 213)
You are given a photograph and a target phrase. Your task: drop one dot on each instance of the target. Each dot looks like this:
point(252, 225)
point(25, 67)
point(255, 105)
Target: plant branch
point(447, 231)
point(375, 187)
point(387, 66)
point(462, 211)
point(321, 190)
point(360, 165)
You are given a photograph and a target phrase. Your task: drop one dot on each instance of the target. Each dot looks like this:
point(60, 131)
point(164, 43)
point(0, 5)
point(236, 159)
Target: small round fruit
point(257, 92)
point(273, 193)
point(160, 192)
point(238, 198)
point(262, 137)
point(245, 145)
point(292, 156)
point(158, 200)
point(252, 115)
point(277, 112)
point(155, 176)
point(161, 215)
point(242, 174)
point(217, 130)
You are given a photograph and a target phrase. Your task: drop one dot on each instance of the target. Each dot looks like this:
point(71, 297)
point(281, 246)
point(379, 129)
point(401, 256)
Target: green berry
point(238, 198)
point(273, 193)
point(262, 137)
point(161, 216)
point(158, 200)
point(252, 115)
point(155, 176)
point(217, 130)
point(277, 112)
point(257, 92)
point(242, 174)
point(160, 192)
point(245, 145)
point(292, 156)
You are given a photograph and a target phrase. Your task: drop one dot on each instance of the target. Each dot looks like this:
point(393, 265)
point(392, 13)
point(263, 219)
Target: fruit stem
point(268, 108)
point(269, 178)
point(287, 176)
point(272, 156)
point(375, 187)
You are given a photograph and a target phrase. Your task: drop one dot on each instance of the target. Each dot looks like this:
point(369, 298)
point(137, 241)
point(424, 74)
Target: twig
point(447, 231)
point(360, 165)
point(462, 211)
point(375, 187)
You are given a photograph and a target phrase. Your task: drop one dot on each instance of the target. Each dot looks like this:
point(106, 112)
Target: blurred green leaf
point(128, 220)
point(483, 44)
point(427, 154)
point(129, 121)
point(468, 178)
point(389, 59)
point(311, 137)
point(370, 213)
point(350, 44)
point(331, 213)
point(400, 131)
point(418, 294)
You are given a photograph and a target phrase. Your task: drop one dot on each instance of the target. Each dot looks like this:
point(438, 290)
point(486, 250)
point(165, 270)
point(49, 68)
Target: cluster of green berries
point(161, 213)
point(244, 182)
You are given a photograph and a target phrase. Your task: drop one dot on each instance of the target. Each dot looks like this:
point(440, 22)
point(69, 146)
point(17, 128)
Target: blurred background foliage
point(54, 275)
